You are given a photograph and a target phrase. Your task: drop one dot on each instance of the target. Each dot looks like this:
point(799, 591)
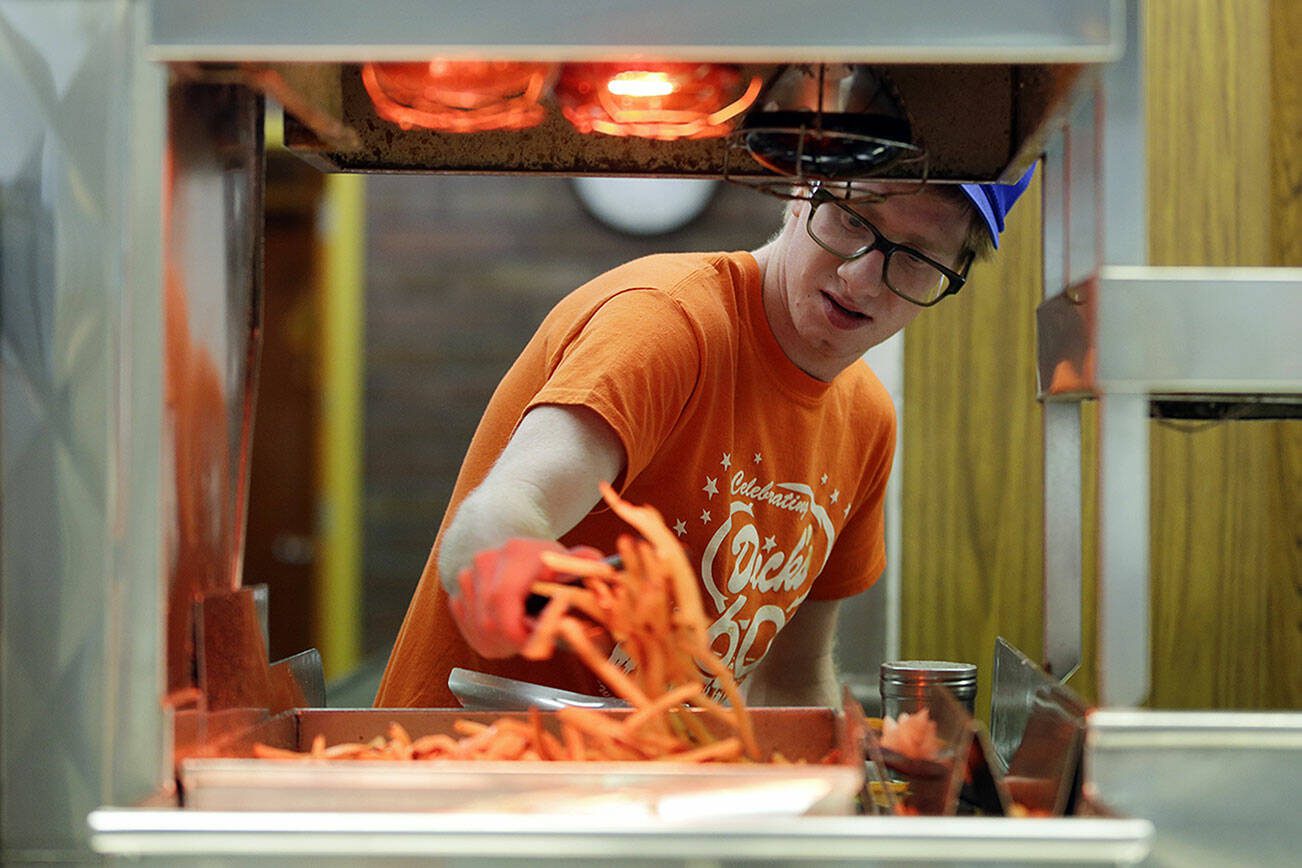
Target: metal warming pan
point(301, 812)
point(232, 780)
point(657, 813)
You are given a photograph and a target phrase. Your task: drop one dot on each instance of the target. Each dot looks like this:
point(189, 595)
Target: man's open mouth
point(842, 309)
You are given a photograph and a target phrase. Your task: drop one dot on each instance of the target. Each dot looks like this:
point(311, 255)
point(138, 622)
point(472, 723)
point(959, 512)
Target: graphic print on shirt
point(766, 541)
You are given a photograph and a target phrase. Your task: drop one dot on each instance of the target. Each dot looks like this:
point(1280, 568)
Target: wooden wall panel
point(1286, 131)
point(461, 269)
point(1225, 566)
point(1209, 104)
point(1225, 549)
point(972, 461)
point(1225, 188)
point(281, 538)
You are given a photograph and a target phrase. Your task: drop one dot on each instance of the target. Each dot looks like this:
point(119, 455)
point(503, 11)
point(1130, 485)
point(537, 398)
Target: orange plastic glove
point(490, 610)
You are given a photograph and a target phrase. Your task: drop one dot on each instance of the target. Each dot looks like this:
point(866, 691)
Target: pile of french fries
point(651, 606)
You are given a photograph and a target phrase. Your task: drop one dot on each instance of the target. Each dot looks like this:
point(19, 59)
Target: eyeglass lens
point(849, 236)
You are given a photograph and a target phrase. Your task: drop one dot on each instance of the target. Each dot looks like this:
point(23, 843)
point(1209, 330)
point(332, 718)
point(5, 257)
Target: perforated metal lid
point(909, 675)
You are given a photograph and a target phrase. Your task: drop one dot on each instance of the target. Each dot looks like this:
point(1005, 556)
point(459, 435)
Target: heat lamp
point(459, 96)
point(663, 101)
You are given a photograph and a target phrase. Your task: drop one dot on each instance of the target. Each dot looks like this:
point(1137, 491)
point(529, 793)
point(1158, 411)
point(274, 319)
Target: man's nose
point(864, 275)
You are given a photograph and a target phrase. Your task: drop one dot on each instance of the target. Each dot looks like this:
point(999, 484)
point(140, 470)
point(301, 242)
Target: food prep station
point(141, 532)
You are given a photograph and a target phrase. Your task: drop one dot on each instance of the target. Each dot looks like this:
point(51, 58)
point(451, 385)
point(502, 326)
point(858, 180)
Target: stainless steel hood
point(978, 122)
point(883, 31)
point(983, 85)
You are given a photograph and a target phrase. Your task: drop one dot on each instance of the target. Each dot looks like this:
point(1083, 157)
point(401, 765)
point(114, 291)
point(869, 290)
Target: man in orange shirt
point(729, 391)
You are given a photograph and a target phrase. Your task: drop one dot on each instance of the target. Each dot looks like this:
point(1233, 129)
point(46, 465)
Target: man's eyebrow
point(922, 245)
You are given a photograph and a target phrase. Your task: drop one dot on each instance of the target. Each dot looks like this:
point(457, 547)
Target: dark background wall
point(460, 270)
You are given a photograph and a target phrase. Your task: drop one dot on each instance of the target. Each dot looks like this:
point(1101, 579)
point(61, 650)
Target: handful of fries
point(651, 606)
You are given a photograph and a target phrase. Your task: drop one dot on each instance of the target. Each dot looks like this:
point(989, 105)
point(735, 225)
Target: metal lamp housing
point(832, 122)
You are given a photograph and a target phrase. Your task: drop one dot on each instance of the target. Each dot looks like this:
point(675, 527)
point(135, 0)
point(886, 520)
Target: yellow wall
point(972, 474)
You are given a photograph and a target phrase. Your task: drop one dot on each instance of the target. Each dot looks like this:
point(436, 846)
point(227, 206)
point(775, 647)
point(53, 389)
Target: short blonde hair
point(978, 246)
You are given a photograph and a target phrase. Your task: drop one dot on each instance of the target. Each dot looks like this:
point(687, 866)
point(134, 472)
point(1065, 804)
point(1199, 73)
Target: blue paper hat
point(994, 201)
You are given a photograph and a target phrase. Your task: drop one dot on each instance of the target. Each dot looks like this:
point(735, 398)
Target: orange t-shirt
point(773, 480)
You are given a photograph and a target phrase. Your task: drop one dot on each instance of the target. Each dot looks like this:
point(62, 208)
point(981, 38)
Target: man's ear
point(796, 209)
point(801, 193)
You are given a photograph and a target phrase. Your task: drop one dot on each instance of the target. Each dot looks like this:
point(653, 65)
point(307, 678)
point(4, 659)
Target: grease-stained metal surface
point(976, 121)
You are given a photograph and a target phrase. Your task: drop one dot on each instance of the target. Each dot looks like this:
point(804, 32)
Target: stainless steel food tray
point(1221, 787)
point(232, 780)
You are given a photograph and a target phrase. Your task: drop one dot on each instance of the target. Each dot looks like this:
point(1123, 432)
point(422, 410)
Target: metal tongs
point(535, 603)
point(479, 691)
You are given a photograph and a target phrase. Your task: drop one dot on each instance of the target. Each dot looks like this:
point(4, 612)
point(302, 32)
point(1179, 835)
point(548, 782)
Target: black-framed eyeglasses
point(909, 273)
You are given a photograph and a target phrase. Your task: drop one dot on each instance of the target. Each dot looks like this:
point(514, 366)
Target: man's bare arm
point(542, 485)
point(798, 668)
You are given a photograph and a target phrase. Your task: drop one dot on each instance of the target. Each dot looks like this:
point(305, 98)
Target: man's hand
point(490, 608)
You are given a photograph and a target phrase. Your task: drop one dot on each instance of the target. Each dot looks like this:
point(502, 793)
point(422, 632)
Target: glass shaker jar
point(905, 684)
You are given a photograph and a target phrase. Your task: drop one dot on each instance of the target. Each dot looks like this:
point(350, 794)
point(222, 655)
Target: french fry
point(266, 751)
point(680, 694)
point(724, 749)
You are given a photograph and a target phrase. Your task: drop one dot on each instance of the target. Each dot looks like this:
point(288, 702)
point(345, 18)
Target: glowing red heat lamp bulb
point(458, 96)
point(654, 101)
